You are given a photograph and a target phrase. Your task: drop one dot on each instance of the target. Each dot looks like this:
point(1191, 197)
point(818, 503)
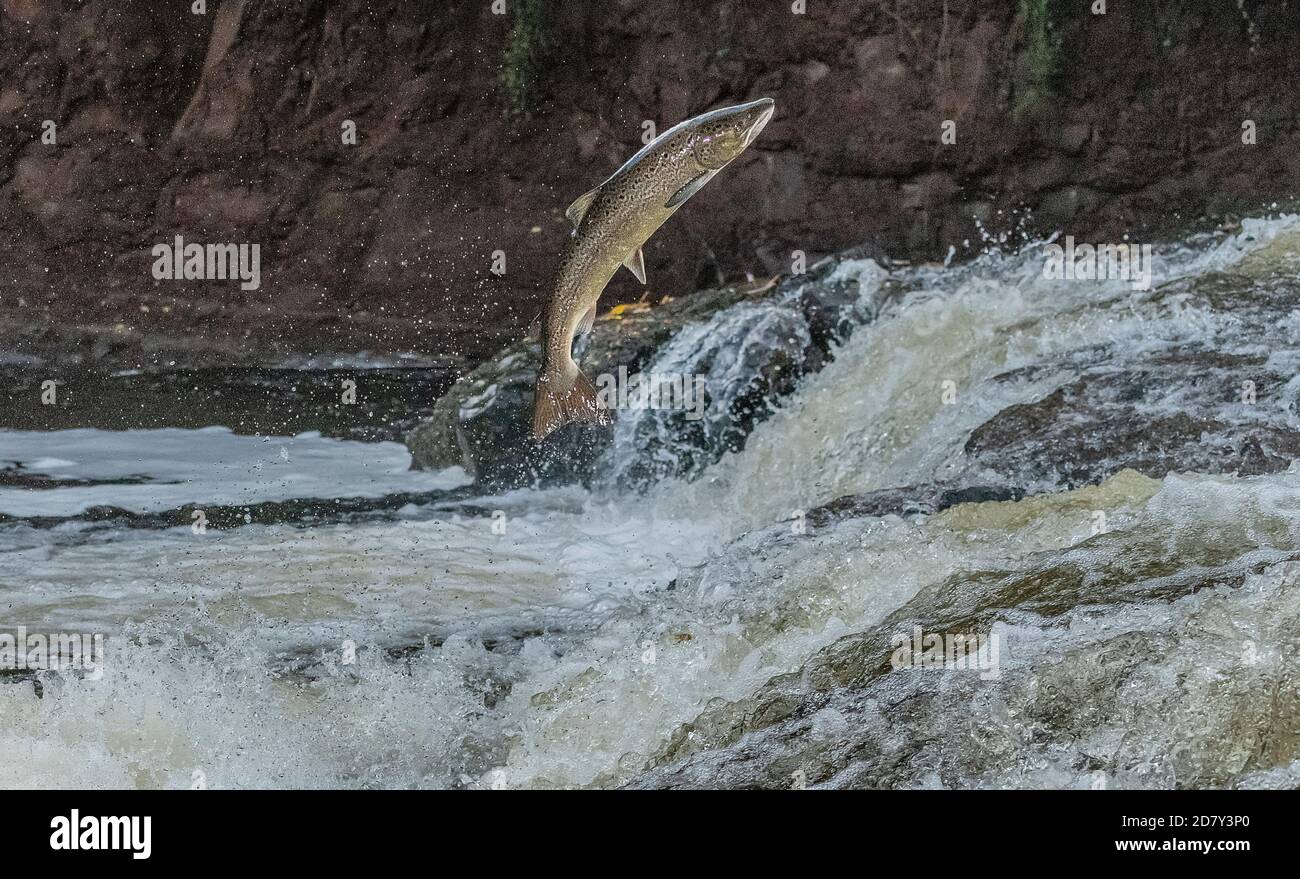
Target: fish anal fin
point(588, 320)
point(578, 209)
point(560, 400)
point(635, 263)
point(692, 187)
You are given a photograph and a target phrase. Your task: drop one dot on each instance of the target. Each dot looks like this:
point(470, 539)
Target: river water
point(306, 611)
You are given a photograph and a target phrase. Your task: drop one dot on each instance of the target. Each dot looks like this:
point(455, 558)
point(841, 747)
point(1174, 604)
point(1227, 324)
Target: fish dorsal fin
point(578, 209)
point(694, 186)
point(635, 263)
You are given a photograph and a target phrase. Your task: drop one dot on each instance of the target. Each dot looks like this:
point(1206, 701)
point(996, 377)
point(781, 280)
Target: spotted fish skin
point(610, 224)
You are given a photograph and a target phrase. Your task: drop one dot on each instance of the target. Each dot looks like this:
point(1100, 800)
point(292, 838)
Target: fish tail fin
point(564, 396)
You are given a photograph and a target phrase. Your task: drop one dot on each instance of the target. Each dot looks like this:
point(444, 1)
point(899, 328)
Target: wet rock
point(916, 500)
point(747, 344)
point(483, 424)
point(1113, 419)
point(737, 363)
point(1069, 698)
point(1205, 402)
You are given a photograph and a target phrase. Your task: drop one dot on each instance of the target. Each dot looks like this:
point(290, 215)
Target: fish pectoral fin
point(588, 320)
point(635, 263)
point(694, 186)
point(578, 209)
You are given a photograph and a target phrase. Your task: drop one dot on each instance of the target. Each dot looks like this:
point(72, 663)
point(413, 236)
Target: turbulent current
point(1094, 478)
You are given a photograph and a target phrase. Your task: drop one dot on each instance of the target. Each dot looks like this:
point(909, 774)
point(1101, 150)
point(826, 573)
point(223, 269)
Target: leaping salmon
point(610, 224)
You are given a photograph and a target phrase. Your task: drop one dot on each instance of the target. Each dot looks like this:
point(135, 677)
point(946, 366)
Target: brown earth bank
point(474, 131)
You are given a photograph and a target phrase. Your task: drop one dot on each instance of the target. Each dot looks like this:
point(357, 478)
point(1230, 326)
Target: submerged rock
point(1141, 657)
point(914, 500)
point(1186, 409)
point(740, 347)
point(1222, 399)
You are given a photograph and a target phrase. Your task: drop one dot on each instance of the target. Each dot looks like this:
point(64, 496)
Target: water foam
point(565, 646)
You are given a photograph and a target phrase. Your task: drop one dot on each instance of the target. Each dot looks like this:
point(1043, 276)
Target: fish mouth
point(765, 107)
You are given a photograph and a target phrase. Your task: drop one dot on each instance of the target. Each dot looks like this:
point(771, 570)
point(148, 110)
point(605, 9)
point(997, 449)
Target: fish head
point(720, 136)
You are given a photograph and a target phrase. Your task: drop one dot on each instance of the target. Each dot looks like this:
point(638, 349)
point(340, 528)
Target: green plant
point(1042, 60)
point(521, 60)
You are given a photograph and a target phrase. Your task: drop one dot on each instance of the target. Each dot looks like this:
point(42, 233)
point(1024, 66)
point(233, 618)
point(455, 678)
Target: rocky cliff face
point(475, 130)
